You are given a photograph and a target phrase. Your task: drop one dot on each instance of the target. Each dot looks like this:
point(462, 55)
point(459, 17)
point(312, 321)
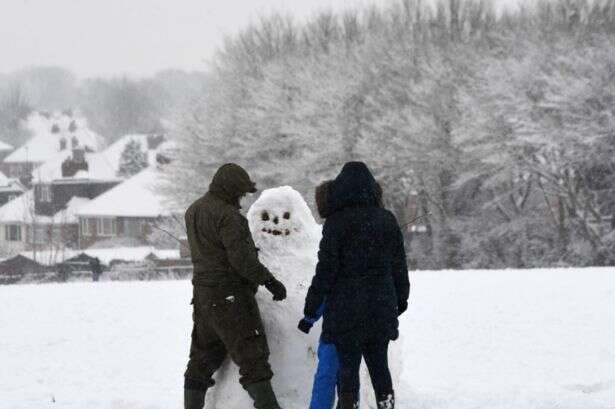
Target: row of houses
point(64, 189)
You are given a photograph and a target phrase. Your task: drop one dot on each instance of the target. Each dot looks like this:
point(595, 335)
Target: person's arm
point(306, 324)
point(319, 314)
point(326, 269)
point(240, 250)
point(400, 271)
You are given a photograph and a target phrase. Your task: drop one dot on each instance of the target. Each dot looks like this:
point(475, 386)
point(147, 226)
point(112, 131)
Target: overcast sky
point(133, 37)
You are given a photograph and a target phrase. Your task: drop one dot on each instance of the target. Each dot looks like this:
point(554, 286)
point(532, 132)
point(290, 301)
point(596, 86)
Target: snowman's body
point(287, 236)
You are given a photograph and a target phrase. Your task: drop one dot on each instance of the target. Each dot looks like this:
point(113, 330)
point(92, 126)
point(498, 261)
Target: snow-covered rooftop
point(69, 214)
point(136, 197)
point(10, 185)
point(114, 152)
point(21, 210)
point(103, 165)
point(50, 133)
point(99, 168)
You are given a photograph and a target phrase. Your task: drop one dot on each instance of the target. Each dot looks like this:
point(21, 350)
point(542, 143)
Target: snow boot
point(386, 401)
point(347, 401)
point(194, 393)
point(194, 399)
point(263, 396)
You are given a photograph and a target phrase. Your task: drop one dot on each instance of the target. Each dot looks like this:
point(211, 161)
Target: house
point(79, 173)
point(71, 174)
point(9, 189)
point(22, 229)
point(128, 211)
point(52, 135)
point(45, 217)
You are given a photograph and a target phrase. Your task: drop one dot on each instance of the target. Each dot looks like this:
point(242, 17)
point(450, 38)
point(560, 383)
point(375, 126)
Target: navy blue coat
point(361, 272)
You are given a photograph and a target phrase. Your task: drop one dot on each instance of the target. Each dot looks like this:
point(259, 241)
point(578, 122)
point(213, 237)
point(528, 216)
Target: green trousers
point(227, 322)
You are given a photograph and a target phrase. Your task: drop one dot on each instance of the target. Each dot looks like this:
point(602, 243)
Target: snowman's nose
point(275, 220)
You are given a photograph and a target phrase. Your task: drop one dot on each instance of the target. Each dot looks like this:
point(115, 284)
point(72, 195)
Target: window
point(106, 227)
point(44, 193)
point(12, 232)
point(42, 234)
point(133, 227)
point(11, 197)
point(85, 227)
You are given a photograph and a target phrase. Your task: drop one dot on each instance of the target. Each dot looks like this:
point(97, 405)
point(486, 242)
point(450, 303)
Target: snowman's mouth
point(276, 232)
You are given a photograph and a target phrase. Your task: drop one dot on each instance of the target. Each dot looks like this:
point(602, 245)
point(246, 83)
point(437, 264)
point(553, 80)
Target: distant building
point(52, 135)
point(79, 173)
point(22, 229)
point(127, 211)
point(45, 216)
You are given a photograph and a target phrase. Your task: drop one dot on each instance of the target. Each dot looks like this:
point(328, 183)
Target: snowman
point(287, 236)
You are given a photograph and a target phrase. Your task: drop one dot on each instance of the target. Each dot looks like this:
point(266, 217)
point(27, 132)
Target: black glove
point(305, 326)
point(402, 307)
point(276, 288)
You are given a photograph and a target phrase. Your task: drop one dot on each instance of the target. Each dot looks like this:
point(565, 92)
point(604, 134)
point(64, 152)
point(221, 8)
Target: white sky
point(133, 37)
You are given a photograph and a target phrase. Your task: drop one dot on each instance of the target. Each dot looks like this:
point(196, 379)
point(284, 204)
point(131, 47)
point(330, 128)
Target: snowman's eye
point(286, 215)
point(264, 216)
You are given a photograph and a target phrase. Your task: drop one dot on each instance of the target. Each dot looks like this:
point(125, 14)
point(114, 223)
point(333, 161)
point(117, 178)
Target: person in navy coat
point(362, 281)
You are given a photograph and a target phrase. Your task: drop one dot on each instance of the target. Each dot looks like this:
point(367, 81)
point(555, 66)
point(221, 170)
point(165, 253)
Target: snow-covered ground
point(474, 339)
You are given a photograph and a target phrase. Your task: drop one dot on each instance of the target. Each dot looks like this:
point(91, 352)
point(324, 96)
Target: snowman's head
point(280, 216)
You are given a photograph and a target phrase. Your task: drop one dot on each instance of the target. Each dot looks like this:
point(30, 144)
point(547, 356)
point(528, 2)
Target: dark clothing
point(227, 321)
point(227, 273)
point(221, 246)
point(321, 197)
point(375, 352)
point(361, 268)
point(96, 269)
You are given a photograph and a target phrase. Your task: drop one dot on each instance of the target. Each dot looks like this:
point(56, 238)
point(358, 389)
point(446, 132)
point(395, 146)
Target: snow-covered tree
point(133, 159)
point(501, 125)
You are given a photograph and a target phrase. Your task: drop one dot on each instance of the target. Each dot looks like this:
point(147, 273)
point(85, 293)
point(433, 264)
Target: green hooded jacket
point(221, 246)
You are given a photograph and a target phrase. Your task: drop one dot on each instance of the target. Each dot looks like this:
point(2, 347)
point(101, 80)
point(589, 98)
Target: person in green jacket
point(227, 274)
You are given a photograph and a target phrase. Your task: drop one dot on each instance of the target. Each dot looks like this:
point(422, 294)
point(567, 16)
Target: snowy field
point(494, 340)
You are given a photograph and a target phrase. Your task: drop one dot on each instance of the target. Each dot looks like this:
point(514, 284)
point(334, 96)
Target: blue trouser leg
point(323, 392)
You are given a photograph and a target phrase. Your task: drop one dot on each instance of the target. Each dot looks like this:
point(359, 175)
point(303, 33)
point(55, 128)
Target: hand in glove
point(402, 307)
point(276, 288)
point(305, 326)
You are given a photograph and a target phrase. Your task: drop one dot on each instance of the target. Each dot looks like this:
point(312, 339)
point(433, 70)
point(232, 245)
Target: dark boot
point(194, 393)
point(194, 399)
point(262, 395)
point(347, 401)
point(386, 401)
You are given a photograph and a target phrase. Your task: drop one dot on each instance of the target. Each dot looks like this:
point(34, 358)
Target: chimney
point(75, 163)
point(78, 154)
point(153, 141)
